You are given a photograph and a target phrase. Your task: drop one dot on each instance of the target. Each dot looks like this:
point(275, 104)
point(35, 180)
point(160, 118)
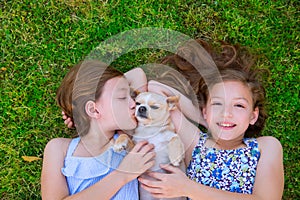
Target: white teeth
point(226, 125)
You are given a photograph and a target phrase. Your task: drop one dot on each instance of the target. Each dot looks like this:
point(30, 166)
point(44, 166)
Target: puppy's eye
point(154, 107)
point(137, 103)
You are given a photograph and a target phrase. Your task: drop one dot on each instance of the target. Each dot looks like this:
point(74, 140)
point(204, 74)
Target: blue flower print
point(215, 184)
point(205, 173)
point(205, 181)
point(217, 173)
point(228, 161)
point(231, 170)
point(211, 156)
point(196, 152)
point(251, 143)
point(244, 167)
point(235, 187)
point(255, 153)
point(244, 159)
point(225, 171)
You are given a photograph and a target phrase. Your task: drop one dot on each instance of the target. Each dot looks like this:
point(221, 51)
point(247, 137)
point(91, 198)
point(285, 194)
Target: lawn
point(40, 40)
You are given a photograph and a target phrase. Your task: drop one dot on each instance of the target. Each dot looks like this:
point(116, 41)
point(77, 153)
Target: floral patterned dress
point(231, 170)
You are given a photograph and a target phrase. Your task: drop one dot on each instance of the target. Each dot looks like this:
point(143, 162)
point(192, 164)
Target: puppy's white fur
point(155, 126)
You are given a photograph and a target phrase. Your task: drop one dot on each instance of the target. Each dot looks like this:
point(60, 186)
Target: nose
point(142, 109)
point(227, 112)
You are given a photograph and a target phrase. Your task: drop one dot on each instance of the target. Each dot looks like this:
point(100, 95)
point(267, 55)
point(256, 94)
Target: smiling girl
point(232, 160)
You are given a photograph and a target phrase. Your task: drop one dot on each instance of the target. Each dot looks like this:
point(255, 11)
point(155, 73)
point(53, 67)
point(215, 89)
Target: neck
point(97, 140)
point(226, 144)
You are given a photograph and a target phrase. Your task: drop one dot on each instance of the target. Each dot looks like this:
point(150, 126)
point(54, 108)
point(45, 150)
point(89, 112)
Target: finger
point(70, 125)
point(138, 146)
point(157, 175)
point(168, 167)
point(146, 148)
point(152, 190)
point(148, 183)
point(148, 165)
point(68, 121)
point(149, 156)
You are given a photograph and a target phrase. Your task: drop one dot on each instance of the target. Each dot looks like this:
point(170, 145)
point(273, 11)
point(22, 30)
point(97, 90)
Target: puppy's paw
point(123, 142)
point(176, 151)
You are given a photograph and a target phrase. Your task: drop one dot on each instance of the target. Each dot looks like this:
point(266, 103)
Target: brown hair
point(84, 82)
point(233, 62)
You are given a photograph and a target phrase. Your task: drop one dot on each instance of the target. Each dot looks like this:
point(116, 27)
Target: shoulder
point(270, 147)
point(268, 142)
point(58, 146)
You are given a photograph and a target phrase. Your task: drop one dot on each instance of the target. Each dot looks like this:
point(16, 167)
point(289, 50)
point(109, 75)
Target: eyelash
point(219, 104)
point(240, 105)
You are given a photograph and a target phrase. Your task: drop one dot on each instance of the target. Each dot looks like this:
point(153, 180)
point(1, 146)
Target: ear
point(204, 113)
point(254, 116)
point(134, 93)
point(172, 101)
point(91, 109)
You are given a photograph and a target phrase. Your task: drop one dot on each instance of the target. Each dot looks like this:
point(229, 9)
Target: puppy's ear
point(172, 101)
point(134, 93)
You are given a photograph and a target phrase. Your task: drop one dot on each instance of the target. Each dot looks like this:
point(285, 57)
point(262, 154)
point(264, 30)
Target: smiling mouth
point(226, 125)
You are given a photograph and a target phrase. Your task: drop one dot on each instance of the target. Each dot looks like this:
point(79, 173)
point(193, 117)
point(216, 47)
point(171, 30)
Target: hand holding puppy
point(138, 160)
point(166, 185)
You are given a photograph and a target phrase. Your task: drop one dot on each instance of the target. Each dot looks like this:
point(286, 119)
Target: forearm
point(137, 79)
point(104, 189)
point(197, 191)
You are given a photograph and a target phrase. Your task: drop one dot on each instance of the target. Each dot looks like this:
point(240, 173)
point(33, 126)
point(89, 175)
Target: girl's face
point(229, 110)
point(116, 105)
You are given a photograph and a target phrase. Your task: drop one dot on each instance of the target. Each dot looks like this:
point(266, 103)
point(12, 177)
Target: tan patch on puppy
point(123, 142)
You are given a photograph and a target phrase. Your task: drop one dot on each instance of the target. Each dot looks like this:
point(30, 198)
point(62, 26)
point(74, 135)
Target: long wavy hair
point(84, 82)
point(233, 62)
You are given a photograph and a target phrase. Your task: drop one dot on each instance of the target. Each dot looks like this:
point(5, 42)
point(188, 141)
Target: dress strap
point(251, 142)
point(72, 146)
point(202, 139)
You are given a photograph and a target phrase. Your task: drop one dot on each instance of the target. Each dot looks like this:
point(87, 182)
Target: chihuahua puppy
point(155, 126)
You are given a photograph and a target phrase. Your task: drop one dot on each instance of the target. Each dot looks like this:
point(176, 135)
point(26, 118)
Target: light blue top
point(83, 172)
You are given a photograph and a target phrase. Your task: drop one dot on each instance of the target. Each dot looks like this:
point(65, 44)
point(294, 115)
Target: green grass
point(41, 39)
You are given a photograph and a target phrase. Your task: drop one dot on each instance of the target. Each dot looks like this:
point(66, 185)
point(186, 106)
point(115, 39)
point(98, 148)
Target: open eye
point(154, 107)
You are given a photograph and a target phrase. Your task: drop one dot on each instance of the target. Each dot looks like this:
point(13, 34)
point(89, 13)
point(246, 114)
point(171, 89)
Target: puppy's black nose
point(142, 109)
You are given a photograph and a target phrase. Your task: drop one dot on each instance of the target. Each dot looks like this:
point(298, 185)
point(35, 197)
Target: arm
point(268, 182)
point(190, 110)
point(54, 185)
point(137, 79)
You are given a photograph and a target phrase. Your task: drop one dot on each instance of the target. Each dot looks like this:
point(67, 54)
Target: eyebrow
point(238, 98)
point(120, 90)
